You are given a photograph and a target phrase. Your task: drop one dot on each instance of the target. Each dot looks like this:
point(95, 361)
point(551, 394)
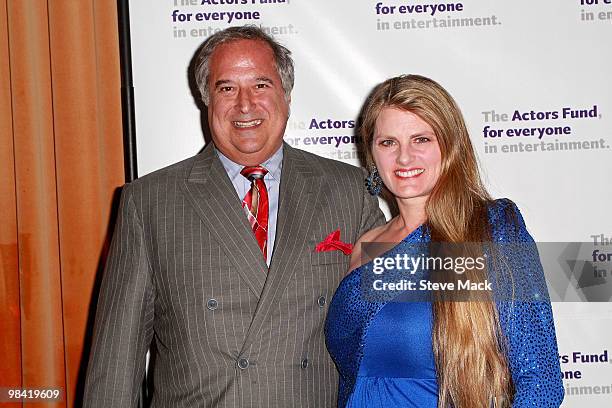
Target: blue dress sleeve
point(526, 317)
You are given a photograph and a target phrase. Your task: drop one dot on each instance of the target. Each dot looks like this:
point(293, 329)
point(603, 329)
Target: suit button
point(304, 363)
point(212, 304)
point(321, 301)
point(243, 363)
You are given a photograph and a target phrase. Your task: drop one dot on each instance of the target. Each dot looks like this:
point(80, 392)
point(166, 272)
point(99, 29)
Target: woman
point(499, 352)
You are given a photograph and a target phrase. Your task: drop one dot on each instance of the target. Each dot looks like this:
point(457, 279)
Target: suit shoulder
point(164, 175)
point(158, 188)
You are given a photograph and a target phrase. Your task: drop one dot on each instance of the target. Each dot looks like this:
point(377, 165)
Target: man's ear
point(289, 107)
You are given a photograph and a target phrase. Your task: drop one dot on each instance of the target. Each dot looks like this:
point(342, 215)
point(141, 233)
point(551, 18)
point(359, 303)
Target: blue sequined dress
point(383, 349)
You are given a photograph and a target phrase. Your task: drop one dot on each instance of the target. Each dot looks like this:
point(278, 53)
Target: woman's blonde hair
point(469, 350)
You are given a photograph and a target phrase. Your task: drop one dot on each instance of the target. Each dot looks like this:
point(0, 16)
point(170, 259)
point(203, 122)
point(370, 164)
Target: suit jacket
point(185, 271)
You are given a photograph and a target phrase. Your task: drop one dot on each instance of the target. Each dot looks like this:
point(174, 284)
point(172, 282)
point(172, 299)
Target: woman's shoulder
point(502, 206)
point(369, 236)
point(506, 221)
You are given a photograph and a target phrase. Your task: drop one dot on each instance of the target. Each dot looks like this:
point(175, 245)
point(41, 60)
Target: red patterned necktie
point(255, 204)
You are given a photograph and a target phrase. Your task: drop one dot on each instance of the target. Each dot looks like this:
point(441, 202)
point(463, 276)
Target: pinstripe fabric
point(182, 240)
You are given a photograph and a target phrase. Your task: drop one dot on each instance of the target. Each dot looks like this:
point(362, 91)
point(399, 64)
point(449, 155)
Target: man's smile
point(247, 124)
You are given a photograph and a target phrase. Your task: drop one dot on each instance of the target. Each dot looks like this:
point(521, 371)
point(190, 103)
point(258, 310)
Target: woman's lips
point(409, 173)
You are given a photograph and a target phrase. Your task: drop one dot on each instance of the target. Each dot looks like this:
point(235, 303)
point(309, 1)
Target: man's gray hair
point(282, 56)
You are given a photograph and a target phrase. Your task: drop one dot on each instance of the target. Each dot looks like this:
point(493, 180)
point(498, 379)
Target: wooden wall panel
point(42, 337)
point(88, 142)
point(10, 320)
point(61, 164)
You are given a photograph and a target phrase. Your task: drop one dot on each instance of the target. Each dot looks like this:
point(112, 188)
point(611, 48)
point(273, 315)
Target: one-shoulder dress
point(383, 348)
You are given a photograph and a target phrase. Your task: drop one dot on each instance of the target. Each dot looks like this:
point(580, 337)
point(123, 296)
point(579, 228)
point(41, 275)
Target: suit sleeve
point(124, 317)
point(371, 215)
point(526, 317)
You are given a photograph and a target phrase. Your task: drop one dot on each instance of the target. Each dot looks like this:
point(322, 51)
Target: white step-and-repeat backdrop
point(534, 80)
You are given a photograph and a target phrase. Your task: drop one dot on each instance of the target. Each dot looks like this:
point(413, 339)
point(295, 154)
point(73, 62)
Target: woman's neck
point(411, 213)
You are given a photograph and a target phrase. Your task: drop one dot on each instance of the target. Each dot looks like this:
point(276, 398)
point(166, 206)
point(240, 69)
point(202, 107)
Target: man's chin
point(249, 155)
point(250, 148)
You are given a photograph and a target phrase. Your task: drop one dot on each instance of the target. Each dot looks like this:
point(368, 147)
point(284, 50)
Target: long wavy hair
point(469, 350)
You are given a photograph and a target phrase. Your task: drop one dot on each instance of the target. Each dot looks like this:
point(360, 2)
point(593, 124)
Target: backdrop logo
point(529, 130)
point(188, 16)
point(595, 10)
point(331, 137)
point(435, 15)
point(576, 382)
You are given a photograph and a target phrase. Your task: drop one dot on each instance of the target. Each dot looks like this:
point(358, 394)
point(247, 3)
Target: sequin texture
point(527, 325)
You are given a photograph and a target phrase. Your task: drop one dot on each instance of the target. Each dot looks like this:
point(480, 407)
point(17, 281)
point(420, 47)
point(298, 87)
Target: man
point(214, 258)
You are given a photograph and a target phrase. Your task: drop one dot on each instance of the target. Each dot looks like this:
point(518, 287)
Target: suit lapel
point(299, 186)
point(213, 196)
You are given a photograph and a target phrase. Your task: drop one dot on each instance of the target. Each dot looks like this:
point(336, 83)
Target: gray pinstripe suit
point(186, 271)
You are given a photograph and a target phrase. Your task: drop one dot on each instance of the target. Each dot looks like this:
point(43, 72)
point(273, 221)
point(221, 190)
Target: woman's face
point(407, 154)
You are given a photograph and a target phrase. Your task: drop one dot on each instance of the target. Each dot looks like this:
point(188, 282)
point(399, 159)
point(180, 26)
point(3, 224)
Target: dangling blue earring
point(373, 182)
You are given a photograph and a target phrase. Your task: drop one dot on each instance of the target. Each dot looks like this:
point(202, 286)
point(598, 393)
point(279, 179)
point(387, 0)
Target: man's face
point(247, 109)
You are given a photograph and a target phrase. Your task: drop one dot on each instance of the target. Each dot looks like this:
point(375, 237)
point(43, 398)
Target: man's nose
point(245, 101)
